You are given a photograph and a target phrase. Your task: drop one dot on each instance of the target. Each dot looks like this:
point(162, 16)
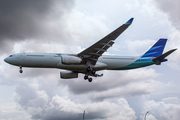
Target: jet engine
point(71, 59)
point(68, 74)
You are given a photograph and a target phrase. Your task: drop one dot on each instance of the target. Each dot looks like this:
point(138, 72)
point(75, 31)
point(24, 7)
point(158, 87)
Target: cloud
point(175, 43)
point(166, 109)
point(49, 101)
point(110, 80)
point(45, 98)
point(132, 89)
point(58, 25)
point(171, 8)
point(14, 115)
point(63, 108)
point(23, 20)
point(20, 19)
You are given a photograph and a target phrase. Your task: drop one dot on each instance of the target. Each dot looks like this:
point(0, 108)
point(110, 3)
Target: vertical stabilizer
point(157, 49)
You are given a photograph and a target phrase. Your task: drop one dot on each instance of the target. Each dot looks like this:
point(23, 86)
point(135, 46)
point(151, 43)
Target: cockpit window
point(10, 55)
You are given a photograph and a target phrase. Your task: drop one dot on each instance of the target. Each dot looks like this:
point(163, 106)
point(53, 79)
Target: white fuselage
point(54, 60)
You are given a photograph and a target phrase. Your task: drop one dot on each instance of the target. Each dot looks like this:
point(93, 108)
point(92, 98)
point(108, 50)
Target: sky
point(70, 26)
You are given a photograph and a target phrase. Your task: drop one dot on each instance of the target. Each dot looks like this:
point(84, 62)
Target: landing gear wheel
point(90, 79)
point(93, 72)
point(88, 69)
point(21, 71)
point(85, 77)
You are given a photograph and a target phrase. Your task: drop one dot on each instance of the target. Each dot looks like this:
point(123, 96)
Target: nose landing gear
point(21, 71)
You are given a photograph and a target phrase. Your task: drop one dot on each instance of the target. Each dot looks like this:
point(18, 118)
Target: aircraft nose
point(5, 60)
point(8, 60)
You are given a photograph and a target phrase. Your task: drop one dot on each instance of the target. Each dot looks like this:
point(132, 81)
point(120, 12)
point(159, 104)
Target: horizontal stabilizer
point(161, 57)
point(100, 75)
point(97, 75)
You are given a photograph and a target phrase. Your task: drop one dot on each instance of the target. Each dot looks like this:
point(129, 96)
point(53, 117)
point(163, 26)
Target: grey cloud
point(23, 20)
point(30, 96)
point(40, 98)
point(171, 100)
point(130, 90)
point(171, 8)
point(17, 115)
point(41, 106)
point(109, 81)
point(17, 17)
point(54, 114)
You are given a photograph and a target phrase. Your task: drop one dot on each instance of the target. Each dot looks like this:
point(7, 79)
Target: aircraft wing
point(91, 54)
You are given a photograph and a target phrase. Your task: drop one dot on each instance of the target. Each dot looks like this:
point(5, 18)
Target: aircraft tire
point(93, 72)
point(21, 71)
point(85, 77)
point(88, 69)
point(90, 79)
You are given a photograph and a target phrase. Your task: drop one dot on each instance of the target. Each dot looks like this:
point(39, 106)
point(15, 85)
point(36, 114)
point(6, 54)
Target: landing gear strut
point(89, 69)
point(21, 71)
point(93, 72)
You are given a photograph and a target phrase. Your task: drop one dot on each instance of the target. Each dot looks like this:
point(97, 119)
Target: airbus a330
point(92, 59)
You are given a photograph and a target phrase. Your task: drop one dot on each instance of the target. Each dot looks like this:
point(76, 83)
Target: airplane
point(92, 59)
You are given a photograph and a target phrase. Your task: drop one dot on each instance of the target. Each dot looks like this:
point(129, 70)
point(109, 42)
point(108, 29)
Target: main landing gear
point(89, 69)
point(87, 77)
point(21, 71)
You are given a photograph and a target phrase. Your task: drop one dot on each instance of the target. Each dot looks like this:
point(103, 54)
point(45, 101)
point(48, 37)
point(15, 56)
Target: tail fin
point(157, 49)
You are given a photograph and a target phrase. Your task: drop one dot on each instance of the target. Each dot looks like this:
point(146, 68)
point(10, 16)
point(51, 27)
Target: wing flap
point(95, 54)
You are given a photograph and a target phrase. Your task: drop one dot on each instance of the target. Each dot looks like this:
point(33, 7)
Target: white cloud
point(132, 89)
point(98, 110)
point(14, 115)
point(165, 109)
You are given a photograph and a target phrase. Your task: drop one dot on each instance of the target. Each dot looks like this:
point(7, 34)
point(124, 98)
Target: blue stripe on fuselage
point(141, 62)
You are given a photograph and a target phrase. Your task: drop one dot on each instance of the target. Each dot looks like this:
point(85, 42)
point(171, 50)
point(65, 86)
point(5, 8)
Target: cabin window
point(10, 55)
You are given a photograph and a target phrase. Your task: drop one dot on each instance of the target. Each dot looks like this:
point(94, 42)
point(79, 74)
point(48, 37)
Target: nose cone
point(6, 60)
point(10, 60)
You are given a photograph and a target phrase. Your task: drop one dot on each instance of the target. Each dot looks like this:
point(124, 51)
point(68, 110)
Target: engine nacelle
point(68, 74)
point(71, 59)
